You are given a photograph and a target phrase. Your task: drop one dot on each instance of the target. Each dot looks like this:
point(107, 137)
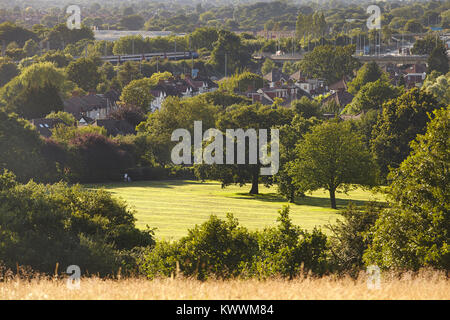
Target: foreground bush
point(223, 249)
point(41, 225)
point(351, 237)
point(287, 251)
point(415, 232)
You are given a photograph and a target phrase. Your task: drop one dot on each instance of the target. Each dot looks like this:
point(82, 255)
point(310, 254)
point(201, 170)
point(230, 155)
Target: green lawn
point(175, 206)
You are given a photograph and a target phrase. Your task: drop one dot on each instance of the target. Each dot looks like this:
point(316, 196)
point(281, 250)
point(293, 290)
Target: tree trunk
point(255, 180)
point(333, 198)
point(292, 196)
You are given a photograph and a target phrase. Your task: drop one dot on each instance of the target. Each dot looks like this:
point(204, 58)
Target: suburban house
point(180, 87)
point(92, 105)
point(267, 96)
point(298, 76)
point(276, 78)
point(414, 75)
point(339, 93)
point(341, 97)
point(44, 126)
point(313, 86)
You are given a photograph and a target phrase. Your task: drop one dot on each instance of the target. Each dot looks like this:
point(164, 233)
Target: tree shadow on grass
point(146, 184)
point(313, 201)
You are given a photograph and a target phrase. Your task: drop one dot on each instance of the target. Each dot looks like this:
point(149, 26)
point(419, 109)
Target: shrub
point(216, 248)
point(350, 237)
point(223, 249)
point(287, 250)
point(42, 225)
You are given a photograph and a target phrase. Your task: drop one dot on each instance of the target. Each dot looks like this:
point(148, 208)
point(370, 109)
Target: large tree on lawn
point(245, 117)
point(401, 120)
point(332, 157)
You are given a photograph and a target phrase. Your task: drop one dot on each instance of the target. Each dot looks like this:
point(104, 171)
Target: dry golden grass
point(425, 286)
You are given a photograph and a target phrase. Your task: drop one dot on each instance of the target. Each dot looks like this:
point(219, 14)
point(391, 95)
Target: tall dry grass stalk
point(427, 285)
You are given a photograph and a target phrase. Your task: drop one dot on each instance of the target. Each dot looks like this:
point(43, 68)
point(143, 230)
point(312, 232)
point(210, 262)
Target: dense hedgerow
point(42, 225)
point(223, 249)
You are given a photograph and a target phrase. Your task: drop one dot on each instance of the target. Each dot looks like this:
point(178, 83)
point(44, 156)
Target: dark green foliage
point(60, 35)
point(215, 248)
point(47, 224)
point(10, 32)
point(132, 22)
point(229, 44)
point(203, 38)
point(290, 135)
point(438, 60)
point(84, 72)
point(255, 116)
point(332, 157)
point(37, 102)
point(371, 96)
point(415, 232)
point(398, 124)
point(289, 251)
point(22, 149)
point(59, 58)
point(350, 237)
point(225, 99)
point(330, 63)
point(306, 108)
point(425, 46)
point(8, 70)
point(365, 125)
point(96, 158)
point(223, 249)
point(370, 72)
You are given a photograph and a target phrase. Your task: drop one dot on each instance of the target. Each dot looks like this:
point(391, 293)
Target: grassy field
point(431, 285)
point(175, 206)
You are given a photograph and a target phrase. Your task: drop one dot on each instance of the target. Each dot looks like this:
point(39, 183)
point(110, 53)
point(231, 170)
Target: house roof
point(77, 105)
point(297, 76)
point(275, 76)
point(340, 85)
point(44, 126)
point(415, 68)
point(342, 98)
point(116, 127)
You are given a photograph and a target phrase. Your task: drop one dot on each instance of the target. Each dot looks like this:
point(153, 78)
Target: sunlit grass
point(428, 285)
point(175, 206)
